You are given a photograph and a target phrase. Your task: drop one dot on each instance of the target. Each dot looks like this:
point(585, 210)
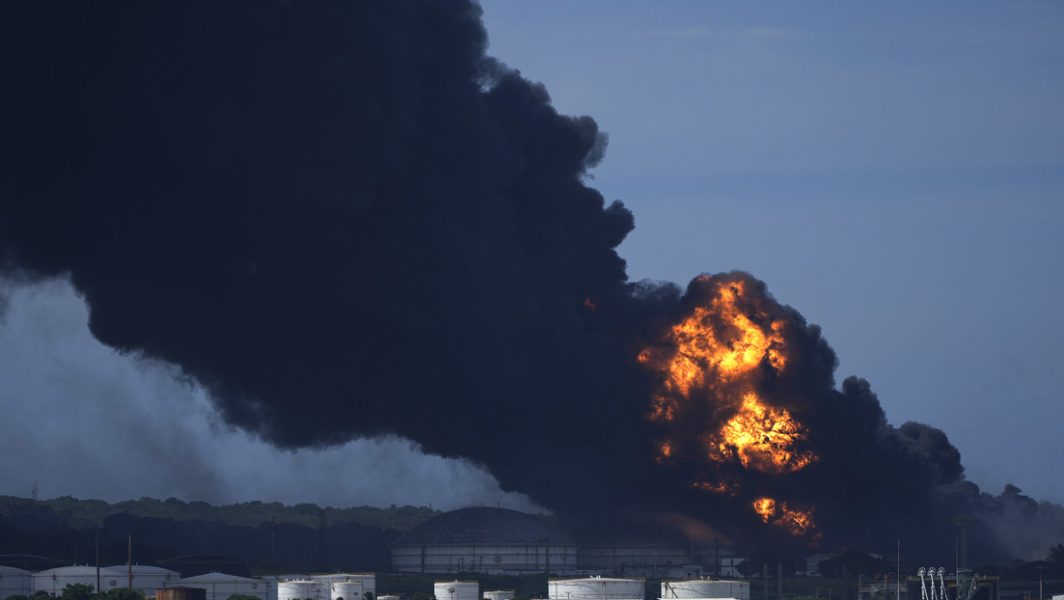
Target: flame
point(762, 438)
point(716, 487)
point(714, 362)
point(794, 521)
point(766, 507)
point(664, 451)
point(707, 353)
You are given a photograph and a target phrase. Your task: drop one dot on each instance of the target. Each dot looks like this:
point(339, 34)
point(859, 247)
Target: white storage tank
point(499, 595)
point(596, 588)
point(15, 582)
point(54, 580)
point(297, 589)
point(220, 586)
point(345, 590)
point(388, 597)
point(367, 580)
point(705, 588)
point(456, 590)
point(147, 578)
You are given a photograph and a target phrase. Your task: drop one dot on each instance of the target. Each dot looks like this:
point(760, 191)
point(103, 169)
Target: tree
point(121, 594)
point(78, 591)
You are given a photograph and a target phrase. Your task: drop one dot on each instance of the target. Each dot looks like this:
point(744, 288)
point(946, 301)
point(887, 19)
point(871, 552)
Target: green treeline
point(90, 514)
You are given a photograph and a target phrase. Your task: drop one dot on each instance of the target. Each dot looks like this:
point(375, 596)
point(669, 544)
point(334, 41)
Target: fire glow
point(795, 521)
point(761, 437)
point(711, 364)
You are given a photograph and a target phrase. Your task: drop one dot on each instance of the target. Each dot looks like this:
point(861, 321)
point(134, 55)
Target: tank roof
point(595, 578)
point(145, 570)
point(215, 577)
point(76, 571)
point(484, 526)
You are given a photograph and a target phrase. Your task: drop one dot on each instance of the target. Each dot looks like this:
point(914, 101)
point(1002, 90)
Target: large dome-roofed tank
point(15, 582)
point(494, 541)
point(148, 578)
point(54, 580)
point(220, 586)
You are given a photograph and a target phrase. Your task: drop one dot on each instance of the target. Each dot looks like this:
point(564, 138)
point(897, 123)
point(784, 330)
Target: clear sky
point(895, 171)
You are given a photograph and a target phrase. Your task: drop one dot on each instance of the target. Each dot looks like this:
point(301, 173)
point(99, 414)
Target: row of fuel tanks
point(604, 588)
point(151, 580)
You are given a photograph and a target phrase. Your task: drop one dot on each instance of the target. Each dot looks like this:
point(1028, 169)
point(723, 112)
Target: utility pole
point(98, 590)
point(779, 579)
point(129, 561)
point(897, 582)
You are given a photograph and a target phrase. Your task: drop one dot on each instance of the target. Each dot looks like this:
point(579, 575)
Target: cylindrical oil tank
point(596, 588)
point(15, 582)
point(456, 590)
point(499, 595)
point(345, 590)
point(299, 589)
point(388, 597)
point(705, 588)
point(147, 578)
point(368, 581)
point(54, 580)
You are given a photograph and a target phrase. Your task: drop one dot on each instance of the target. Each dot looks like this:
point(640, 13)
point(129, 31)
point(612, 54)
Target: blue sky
point(895, 171)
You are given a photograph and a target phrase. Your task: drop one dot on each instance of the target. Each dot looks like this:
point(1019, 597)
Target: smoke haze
point(89, 422)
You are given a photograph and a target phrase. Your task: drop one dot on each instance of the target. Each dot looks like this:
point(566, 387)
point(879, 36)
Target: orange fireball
point(713, 362)
point(761, 437)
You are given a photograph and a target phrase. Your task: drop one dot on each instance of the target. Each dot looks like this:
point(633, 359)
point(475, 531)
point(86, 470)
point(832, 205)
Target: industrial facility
point(497, 541)
point(491, 541)
point(158, 582)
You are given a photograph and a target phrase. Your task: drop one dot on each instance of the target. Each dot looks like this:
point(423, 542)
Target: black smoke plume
point(345, 219)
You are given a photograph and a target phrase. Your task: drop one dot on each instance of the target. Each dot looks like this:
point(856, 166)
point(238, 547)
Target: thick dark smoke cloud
point(345, 220)
point(341, 218)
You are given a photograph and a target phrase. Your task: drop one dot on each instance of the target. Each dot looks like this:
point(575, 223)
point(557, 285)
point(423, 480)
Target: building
point(491, 541)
